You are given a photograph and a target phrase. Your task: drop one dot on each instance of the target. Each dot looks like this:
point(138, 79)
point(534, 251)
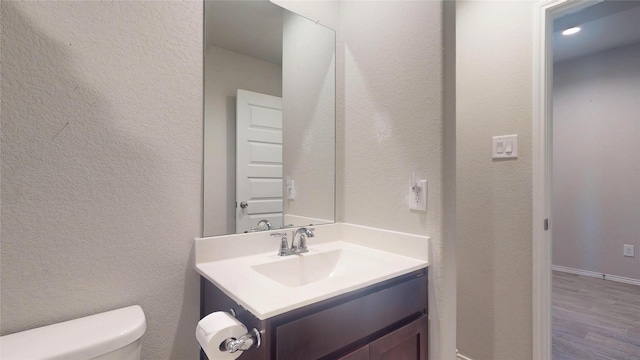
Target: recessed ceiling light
point(571, 31)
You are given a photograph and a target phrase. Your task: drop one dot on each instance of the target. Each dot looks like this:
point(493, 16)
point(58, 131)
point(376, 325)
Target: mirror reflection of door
point(258, 160)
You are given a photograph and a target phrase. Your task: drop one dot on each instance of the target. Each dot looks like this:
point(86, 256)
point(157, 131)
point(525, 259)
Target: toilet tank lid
point(82, 338)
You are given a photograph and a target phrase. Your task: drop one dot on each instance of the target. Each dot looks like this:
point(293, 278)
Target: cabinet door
point(360, 354)
point(407, 343)
point(321, 333)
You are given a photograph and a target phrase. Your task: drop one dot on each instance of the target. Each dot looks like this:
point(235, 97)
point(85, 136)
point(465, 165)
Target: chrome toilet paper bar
point(243, 343)
point(223, 337)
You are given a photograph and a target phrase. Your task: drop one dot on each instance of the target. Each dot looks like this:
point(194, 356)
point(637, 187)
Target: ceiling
point(604, 26)
point(249, 27)
point(254, 28)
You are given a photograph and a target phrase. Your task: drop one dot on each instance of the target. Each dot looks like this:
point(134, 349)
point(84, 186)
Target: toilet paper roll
point(214, 329)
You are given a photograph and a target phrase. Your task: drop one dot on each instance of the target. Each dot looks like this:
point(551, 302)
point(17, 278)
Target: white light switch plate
point(505, 147)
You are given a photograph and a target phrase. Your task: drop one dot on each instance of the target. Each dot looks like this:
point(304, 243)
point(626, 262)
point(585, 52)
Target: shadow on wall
point(313, 92)
point(395, 95)
point(86, 212)
point(309, 110)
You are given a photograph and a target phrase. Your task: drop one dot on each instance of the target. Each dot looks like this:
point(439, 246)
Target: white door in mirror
point(258, 160)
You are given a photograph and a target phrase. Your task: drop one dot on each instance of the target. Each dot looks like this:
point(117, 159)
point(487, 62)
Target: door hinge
point(546, 224)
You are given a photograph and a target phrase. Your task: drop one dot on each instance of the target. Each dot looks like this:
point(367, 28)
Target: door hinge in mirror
point(546, 224)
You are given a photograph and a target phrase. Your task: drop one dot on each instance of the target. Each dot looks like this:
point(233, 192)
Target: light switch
point(505, 147)
point(508, 147)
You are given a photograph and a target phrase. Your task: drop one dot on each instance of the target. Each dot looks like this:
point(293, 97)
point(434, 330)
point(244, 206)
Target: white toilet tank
point(112, 335)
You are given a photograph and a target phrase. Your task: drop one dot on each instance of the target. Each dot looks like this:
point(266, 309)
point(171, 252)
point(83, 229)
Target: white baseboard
point(622, 279)
point(461, 357)
point(577, 271)
point(596, 275)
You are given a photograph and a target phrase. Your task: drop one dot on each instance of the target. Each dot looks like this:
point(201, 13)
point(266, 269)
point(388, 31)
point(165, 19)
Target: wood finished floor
point(594, 319)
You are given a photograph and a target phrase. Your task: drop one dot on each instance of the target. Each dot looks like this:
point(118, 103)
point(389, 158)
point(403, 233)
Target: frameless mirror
point(269, 118)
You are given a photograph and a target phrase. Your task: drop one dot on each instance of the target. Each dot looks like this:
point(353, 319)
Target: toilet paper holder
point(243, 343)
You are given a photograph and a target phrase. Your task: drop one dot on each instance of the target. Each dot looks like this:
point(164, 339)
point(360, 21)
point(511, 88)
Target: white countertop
point(229, 262)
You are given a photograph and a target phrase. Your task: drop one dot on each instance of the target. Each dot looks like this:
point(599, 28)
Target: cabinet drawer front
point(409, 342)
point(324, 332)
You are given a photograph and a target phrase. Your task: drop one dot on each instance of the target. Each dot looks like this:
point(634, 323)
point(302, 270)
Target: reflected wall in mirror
point(269, 118)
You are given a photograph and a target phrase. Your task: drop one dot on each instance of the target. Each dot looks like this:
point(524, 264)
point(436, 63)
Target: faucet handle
point(302, 246)
point(284, 247)
point(284, 244)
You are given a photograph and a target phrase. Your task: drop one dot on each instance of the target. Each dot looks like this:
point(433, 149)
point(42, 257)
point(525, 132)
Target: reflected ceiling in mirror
point(269, 119)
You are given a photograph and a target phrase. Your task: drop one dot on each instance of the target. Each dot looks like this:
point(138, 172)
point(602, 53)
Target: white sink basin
point(268, 285)
point(307, 268)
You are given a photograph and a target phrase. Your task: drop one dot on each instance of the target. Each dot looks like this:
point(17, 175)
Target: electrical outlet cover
point(418, 199)
point(629, 250)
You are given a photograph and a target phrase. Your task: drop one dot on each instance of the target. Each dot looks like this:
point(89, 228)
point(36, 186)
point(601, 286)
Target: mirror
point(269, 119)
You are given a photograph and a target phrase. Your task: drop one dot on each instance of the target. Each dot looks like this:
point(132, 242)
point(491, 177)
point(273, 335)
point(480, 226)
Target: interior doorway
point(595, 182)
point(560, 184)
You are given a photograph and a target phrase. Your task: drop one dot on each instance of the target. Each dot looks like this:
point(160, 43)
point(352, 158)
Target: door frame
point(544, 13)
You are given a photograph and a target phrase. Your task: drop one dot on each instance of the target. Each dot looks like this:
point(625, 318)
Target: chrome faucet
point(267, 223)
point(302, 233)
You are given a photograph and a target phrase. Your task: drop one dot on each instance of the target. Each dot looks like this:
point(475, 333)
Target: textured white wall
point(494, 231)
point(596, 149)
point(393, 124)
point(102, 165)
point(309, 110)
point(226, 72)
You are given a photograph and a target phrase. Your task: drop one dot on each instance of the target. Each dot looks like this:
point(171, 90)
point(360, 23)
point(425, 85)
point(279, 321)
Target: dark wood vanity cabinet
point(408, 342)
point(387, 320)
